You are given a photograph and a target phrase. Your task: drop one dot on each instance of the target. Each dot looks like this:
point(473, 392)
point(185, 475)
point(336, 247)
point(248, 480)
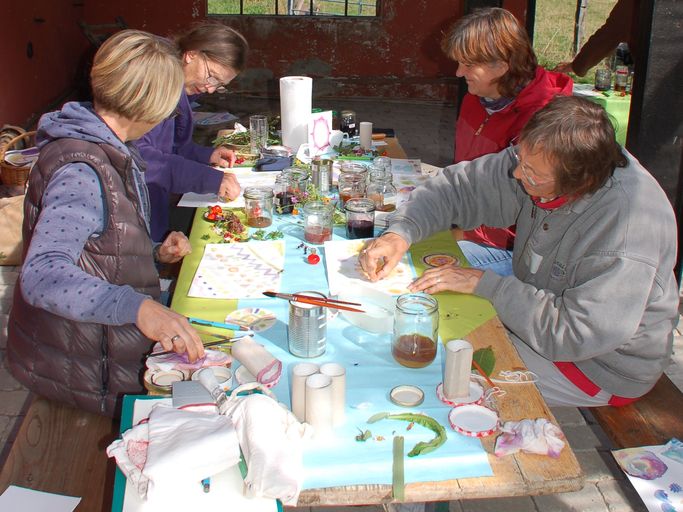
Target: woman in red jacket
point(505, 87)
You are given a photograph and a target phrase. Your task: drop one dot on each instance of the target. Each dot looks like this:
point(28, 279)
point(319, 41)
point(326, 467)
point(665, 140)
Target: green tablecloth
point(458, 314)
point(616, 105)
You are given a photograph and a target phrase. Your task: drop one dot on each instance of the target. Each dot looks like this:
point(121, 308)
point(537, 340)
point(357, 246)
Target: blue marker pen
point(206, 484)
point(210, 323)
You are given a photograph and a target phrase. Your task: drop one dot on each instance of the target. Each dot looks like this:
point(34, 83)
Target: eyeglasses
point(212, 81)
point(525, 172)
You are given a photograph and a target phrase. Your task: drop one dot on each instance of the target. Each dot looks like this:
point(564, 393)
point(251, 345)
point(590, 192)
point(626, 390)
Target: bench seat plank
point(53, 452)
point(652, 420)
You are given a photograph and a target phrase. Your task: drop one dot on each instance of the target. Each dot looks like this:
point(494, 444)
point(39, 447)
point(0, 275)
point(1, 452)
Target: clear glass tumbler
point(258, 133)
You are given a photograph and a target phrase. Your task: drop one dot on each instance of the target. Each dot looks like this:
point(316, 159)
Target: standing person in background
point(505, 87)
point(84, 311)
point(621, 26)
point(212, 55)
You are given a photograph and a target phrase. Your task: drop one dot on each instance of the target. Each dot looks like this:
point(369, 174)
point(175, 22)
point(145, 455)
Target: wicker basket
point(10, 174)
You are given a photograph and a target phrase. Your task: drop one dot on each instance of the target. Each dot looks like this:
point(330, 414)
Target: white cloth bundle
point(531, 436)
point(271, 439)
point(181, 446)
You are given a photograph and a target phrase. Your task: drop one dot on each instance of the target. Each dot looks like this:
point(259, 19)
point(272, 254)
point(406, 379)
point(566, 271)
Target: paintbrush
point(224, 341)
point(316, 301)
point(483, 373)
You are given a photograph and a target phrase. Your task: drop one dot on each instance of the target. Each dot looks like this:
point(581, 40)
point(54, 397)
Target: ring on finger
point(175, 338)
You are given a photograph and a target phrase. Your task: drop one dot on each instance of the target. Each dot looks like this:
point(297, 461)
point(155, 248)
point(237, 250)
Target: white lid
point(407, 396)
point(473, 420)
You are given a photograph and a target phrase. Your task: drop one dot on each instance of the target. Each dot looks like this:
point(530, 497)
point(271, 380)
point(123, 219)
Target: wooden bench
point(652, 420)
point(61, 450)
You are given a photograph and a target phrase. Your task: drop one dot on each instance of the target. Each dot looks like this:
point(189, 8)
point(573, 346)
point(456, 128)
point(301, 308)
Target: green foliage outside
point(267, 7)
point(554, 30)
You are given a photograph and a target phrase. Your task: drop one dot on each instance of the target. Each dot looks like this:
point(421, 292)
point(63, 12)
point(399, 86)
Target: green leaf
point(486, 359)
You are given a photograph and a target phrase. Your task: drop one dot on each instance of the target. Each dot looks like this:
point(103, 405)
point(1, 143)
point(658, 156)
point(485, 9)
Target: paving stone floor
point(606, 488)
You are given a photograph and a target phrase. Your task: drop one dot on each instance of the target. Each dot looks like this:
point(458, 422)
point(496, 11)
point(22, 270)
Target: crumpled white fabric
point(531, 436)
point(271, 439)
point(181, 446)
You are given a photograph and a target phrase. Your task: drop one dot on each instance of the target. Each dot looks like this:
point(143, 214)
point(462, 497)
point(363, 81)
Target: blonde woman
point(84, 312)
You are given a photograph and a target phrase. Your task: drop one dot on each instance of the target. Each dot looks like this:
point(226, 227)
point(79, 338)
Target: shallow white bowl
point(379, 309)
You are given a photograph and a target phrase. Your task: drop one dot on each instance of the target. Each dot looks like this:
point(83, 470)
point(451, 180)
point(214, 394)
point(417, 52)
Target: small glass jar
point(318, 222)
point(352, 181)
point(382, 191)
point(290, 186)
point(416, 330)
point(347, 122)
point(382, 161)
point(603, 79)
point(258, 206)
point(360, 218)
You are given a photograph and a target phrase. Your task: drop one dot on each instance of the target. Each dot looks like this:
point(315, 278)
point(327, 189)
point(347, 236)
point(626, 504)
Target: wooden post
point(579, 18)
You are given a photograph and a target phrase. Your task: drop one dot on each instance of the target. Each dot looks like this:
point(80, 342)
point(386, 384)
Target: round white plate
point(473, 420)
point(476, 396)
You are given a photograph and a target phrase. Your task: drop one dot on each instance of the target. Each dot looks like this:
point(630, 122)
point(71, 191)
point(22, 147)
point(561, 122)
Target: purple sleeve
point(73, 212)
point(172, 172)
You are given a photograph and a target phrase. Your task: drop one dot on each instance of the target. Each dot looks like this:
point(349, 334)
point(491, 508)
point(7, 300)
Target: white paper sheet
point(19, 498)
point(246, 177)
point(239, 271)
point(343, 269)
point(225, 494)
point(656, 473)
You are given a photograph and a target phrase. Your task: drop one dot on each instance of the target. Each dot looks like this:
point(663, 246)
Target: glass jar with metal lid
point(382, 191)
point(347, 122)
point(352, 181)
point(290, 186)
point(416, 328)
point(360, 218)
point(258, 206)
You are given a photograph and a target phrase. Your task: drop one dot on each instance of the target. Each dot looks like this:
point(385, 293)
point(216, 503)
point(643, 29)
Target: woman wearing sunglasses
point(212, 56)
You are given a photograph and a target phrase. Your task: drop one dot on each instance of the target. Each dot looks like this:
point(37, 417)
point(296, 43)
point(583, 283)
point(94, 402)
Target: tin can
point(321, 174)
point(307, 329)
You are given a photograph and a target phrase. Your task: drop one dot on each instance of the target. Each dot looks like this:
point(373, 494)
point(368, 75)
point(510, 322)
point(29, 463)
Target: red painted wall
point(395, 55)
point(30, 84)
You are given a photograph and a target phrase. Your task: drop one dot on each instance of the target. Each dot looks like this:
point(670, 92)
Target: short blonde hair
point(138, 76)
point(493, 35)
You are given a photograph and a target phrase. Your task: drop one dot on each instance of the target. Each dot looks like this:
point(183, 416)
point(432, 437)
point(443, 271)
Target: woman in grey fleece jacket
point(593, 300)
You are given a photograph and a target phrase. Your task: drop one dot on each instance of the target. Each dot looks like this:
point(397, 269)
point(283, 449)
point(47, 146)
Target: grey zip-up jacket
point(593, 280)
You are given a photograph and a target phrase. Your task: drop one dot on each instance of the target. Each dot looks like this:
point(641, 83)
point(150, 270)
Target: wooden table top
point(62, 450)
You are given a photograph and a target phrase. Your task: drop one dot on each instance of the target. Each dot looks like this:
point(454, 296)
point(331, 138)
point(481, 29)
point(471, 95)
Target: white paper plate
point(475, 397)
point(473, 420)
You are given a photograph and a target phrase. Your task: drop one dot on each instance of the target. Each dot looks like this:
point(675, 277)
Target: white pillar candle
point(298, 388)
point(338, 375)
point(319, 403)
point(366, 135)
point(458, 369)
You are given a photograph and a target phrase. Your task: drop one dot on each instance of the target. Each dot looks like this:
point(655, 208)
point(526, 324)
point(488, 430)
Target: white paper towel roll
point(295, 109)
point(338, 375)
point(298, 388)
